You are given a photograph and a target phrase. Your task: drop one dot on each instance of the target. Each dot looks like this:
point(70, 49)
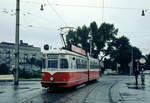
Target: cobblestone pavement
point(109, 89)
point(130, 93)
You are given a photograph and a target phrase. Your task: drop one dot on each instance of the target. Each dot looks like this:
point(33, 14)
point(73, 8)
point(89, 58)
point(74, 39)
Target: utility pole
point(131, 68)
point(90, 40)
point(90, 46)
point(16, 77)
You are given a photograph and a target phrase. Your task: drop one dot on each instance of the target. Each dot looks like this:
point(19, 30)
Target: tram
point(65, 69)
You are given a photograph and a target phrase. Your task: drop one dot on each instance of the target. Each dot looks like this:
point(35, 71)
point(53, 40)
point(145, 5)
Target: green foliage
point(29, 74)
point(34, 61)
point(147, 66)
point(97, 35)
point(121, 51)
point(4, 69)
point(104, 40)
point(24, 73)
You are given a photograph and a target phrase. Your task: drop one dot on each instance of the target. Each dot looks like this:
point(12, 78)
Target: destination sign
point(78, 50)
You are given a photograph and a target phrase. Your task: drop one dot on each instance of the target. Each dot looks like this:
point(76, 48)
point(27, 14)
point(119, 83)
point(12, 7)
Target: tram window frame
point(81, 64)
point(85, 64)
point(94, 65)
point(64, 66)
point(77, 63)
point(43, 63)
point(56, 63)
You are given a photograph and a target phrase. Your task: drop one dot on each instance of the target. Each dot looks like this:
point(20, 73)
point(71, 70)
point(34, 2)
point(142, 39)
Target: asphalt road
point(102, 91)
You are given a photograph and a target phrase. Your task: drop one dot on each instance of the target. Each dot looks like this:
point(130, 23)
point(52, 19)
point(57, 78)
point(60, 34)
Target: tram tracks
point(80, 95)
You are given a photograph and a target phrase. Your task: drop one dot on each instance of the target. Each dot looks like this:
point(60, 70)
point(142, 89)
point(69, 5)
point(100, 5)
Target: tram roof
point(66, 52)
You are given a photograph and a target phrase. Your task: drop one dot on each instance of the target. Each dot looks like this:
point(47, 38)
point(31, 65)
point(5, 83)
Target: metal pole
point(91, 46)
point(63, 39)
point(132, 62)
point(16, 79)
point(131, 69)
point(138, 66)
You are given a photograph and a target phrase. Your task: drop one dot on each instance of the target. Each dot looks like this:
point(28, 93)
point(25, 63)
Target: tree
point(147, 66)
point(99, 37)
point(122, 53)
point(4, 69)
point(104, 41)
point(106, 34)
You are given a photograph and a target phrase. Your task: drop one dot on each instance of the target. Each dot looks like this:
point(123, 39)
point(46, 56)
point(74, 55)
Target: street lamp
point(42, 7)
point(143, 13)
point(142, 61)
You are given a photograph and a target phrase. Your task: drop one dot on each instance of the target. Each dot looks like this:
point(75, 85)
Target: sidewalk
point(18, 94)
point(129, 94)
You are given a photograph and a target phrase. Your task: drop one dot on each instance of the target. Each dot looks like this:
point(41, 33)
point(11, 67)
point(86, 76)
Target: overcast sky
point(41, 27)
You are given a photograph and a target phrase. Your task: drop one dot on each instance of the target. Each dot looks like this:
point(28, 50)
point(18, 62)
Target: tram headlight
point(51, 79)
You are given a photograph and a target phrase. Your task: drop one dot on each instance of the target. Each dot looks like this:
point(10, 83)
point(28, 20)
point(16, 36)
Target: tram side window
point(81, 64)
point(91, 65)
point(52, 63)
point(78, 63)
point(43, 63)
point(84, 64)
point(63, 63)
point(94, 65)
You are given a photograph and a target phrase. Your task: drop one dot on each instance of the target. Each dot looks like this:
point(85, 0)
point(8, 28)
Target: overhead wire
point(34, 26)
point(50, 5)
point(102, 11)
point(38, 17)
point(90, 6)
point(133, 36)
point(25, 13)
point(58, 15)
point(57, 4)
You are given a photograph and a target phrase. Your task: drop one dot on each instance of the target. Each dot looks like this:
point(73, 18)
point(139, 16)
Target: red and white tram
point(66, 69)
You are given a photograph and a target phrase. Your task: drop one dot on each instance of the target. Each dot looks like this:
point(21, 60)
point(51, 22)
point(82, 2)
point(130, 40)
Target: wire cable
point(91, 6)
point(102, 11)
point(36, 27)
point(59, 16)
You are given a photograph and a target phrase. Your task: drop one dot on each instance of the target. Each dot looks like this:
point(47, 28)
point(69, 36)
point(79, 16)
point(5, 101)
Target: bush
point(4, 69)
point(29, 74)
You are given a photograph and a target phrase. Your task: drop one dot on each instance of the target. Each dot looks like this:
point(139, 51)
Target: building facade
point(27, 53)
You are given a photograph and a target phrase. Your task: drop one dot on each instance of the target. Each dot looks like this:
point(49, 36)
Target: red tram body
point(66, 69)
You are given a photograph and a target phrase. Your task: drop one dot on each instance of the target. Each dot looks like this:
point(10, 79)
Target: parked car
point(146, 72)
point(110, 71)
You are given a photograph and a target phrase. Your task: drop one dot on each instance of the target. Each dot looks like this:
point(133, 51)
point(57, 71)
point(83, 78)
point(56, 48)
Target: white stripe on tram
point(52, 71)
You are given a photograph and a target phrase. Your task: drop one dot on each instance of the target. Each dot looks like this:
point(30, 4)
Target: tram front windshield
point(53, 63)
